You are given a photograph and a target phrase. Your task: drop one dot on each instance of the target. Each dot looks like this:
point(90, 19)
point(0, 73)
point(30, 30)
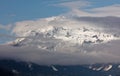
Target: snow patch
point(54, 68)
point(15, 71)
point(107, 68)
point(119, 66)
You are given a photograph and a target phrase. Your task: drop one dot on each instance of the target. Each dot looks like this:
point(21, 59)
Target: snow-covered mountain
point(54, 32)
point(69, 36)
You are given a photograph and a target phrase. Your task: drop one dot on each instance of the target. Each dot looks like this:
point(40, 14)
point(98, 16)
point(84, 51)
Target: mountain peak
point(51, 33)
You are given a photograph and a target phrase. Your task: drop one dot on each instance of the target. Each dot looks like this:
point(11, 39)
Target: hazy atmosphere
point(69, 32)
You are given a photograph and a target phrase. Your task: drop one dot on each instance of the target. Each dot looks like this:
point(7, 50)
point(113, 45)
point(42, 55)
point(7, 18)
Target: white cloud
point(4, 37)
point(67, 53)
point(78, 8)
point(103, 53)
point(112, 10)
point(75, 4)
point(5, 27)
point(12, 15)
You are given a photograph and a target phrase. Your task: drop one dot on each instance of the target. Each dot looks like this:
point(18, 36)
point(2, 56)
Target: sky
point(16, 14)
point(13, 10)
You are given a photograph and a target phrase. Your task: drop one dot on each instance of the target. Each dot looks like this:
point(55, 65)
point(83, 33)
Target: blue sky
point(18, 10)
point(12, 11)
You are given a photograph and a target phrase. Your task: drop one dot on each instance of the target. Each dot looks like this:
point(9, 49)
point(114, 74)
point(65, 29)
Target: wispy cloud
point(79, 8)
point(75, 4)
point(12, 15)
point(5, 27)
point(112, 10)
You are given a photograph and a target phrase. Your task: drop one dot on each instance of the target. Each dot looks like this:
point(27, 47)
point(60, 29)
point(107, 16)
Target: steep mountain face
point(109, 69)
point(52, 33)
point(30, 69)
point(5, 72)
point(18, 68)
